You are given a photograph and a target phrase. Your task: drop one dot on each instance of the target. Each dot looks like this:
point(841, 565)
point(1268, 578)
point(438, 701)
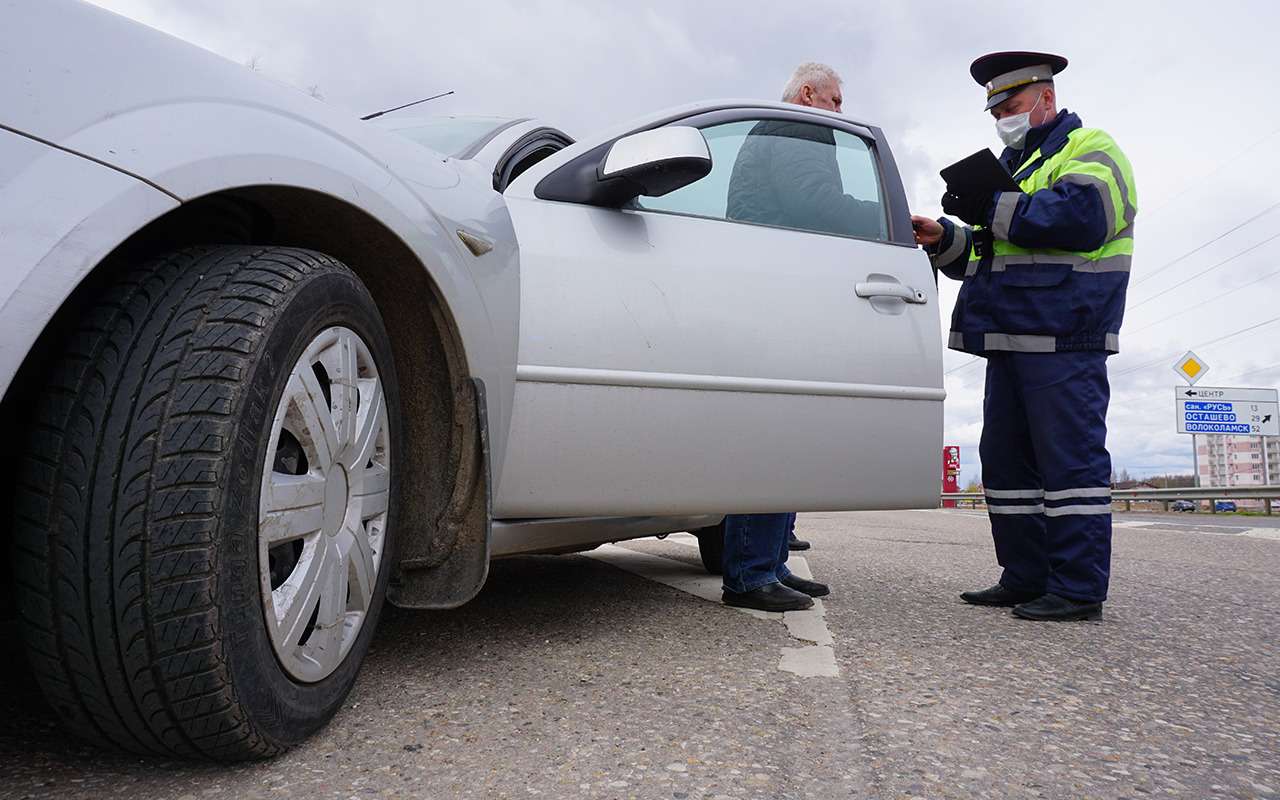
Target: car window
point(788, 174)
point(449, 136)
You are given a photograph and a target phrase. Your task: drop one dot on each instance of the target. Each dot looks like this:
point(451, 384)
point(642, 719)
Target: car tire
point(711, 547)
point(182, 425)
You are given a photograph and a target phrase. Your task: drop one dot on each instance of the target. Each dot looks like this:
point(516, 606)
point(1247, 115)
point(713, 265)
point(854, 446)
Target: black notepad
point(980, 173)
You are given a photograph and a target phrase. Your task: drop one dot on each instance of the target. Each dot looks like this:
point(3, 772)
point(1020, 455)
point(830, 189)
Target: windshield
point(448, 135)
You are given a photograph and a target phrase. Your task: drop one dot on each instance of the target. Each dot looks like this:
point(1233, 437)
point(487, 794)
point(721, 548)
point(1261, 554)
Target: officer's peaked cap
point(1003, 74)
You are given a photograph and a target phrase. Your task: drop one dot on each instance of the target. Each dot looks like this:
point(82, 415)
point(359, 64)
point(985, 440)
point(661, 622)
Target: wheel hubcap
point(322, 510)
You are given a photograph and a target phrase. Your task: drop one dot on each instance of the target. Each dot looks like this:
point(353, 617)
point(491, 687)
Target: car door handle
point(873, 289)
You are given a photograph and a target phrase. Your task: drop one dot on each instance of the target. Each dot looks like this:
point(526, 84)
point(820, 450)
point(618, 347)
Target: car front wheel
point(205, 514)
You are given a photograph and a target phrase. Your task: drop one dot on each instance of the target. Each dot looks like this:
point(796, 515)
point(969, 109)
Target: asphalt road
point(595, 677)
point(1186, 519)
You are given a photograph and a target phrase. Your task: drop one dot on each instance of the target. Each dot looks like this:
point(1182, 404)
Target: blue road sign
point(1238, 412)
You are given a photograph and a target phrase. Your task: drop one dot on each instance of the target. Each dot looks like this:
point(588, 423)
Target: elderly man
point(786, 174)
point(1044, 270)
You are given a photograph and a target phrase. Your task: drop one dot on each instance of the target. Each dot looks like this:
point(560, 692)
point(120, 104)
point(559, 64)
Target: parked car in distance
point(1225, 505)
point(1182, 505)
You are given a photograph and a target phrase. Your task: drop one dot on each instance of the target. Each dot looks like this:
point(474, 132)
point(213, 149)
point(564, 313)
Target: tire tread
point(115, 509)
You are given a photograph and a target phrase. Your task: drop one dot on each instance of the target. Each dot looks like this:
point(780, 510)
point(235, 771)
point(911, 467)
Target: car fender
point(60, 215)
point(199, 148)
point(191, 123)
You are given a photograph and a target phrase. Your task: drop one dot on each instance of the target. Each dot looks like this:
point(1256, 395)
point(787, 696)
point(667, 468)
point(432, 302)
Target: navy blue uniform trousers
point(1046, 471)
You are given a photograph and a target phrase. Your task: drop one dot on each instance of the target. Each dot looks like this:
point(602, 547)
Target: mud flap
point(447, 567)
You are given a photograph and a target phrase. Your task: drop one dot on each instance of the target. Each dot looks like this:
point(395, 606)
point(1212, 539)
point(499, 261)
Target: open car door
point(764, 337)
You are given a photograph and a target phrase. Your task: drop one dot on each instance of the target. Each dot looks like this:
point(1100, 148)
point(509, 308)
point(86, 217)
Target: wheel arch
point(445, 513)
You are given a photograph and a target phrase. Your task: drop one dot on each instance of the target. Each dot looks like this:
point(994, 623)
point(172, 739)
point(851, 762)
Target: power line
point(1221, 166)
point(1195, 250)
point(1162, 359)
point(1204, 271)
point(1203, 303)
point(1267, 368)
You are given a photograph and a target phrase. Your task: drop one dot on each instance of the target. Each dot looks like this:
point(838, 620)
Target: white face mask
point(1012, 129)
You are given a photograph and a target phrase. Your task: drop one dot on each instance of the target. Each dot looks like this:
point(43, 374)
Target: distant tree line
point(1122, 479)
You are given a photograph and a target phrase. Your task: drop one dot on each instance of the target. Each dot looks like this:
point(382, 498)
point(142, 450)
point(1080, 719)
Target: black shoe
point(811, 588)
point(796, 544)
point(997, 596)
point(1051, 607)
point(770, 597)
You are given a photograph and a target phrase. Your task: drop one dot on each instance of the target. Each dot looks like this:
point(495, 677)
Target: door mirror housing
point(649, 163)
point(658, 161)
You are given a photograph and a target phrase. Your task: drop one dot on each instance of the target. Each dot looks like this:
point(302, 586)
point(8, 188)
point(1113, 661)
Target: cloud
point(1185, 93)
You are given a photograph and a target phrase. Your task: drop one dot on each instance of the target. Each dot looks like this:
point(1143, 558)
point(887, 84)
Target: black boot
point(796, 544)
point(997, 596)
point(1052, 608)
point(770, 597)
point(811, 588)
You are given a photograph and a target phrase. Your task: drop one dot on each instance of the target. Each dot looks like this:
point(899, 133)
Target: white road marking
point(816, 659)
point(1264, 533)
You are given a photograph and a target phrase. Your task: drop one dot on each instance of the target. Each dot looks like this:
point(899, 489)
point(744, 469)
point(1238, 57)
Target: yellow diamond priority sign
point(1191, 367)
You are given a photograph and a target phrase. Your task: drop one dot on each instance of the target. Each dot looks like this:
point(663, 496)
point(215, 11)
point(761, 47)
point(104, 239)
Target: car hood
point(75, 72)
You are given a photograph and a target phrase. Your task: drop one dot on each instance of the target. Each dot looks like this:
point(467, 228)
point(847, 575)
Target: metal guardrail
point(1165, 496)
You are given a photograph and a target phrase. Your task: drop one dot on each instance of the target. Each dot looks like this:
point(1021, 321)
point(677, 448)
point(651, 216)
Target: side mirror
point(658, 161)
point(650, 163)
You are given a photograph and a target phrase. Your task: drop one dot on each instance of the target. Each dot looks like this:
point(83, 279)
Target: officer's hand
point(972, 208)
point(928, 232)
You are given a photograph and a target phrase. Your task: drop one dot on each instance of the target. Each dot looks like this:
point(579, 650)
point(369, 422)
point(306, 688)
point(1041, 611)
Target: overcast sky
point(1185, 88)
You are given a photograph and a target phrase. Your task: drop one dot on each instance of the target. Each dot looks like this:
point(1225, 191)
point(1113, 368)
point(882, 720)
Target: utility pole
point(1195, 460)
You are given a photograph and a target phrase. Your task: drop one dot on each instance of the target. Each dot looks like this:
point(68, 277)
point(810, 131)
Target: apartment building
point(1237, 460)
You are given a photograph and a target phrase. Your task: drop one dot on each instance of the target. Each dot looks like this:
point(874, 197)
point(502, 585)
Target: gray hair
point(812, 73)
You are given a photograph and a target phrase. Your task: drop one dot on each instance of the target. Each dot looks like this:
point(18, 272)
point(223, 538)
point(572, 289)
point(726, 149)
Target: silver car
point(264, 365)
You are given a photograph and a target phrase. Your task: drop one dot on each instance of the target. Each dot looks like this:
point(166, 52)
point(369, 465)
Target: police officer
point(1044, 273)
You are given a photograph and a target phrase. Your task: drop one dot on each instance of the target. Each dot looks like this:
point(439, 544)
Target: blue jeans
point(755, 550)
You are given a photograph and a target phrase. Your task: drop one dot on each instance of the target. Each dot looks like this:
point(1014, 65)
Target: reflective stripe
point(1003, 218)
point(1063, 494)
point(1019, 342)
point(1117, 263)
point(1031, 343)
point(999, 263)
point(1104, 192)
point(971, 268)
point(1071, 511)
point(1013, 494)
point(1120, 263)
point(955, 340)
point(954, 250)
point(1099, 157)
point(1036, 509)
